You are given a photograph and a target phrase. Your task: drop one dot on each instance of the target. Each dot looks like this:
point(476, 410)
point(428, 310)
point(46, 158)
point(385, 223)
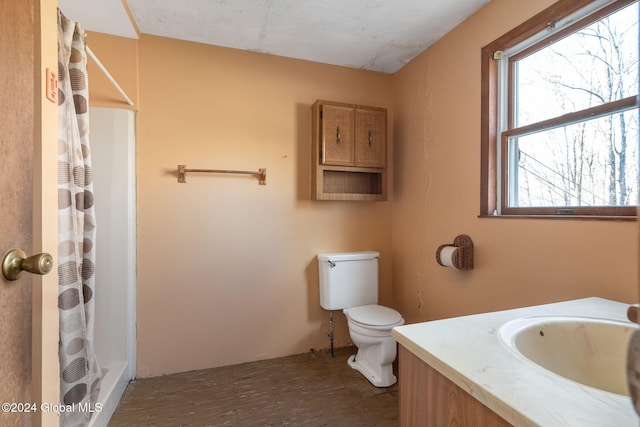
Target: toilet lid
point(375, 315)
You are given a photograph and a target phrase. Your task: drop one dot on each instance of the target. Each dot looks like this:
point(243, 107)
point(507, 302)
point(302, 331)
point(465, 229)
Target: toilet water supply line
point(330, 334)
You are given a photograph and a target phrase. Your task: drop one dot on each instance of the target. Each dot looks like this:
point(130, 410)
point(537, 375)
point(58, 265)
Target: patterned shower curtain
point(79, 370)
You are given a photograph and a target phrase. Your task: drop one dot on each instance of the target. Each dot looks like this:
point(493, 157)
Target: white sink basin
point(587, 350)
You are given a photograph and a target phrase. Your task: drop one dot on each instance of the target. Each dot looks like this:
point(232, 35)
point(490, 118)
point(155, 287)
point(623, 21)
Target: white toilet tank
point(348, 279)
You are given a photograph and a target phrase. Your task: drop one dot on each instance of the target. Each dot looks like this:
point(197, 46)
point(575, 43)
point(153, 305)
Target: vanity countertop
point(468, 351)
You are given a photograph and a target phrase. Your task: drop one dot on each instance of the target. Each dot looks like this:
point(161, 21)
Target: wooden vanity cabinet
point(428, 398)
point(349, 152)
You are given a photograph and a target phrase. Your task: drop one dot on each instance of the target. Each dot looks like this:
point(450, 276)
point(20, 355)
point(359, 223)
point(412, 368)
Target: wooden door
point(337, 135)
point(16, 193)
point(28, 320)
point(371, 138)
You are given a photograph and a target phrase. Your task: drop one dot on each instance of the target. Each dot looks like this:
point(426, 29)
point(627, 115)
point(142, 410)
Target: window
point(560, 113)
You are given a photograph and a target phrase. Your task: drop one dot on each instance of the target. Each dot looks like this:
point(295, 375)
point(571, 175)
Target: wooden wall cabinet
point(349, 152)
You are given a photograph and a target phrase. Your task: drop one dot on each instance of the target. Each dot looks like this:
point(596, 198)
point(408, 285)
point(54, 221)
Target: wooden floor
point(310, 389)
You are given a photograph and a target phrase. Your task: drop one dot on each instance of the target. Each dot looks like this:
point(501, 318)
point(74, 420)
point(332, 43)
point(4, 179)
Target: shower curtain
point(79, 370)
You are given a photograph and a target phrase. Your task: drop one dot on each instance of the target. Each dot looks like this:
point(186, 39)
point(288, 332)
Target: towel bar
point(182, 173)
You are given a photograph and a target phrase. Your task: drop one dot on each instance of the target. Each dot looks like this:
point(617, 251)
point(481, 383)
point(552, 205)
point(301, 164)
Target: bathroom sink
point(588, 350)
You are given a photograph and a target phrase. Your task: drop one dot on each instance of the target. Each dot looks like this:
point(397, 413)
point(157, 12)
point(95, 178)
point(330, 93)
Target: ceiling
point(376, 35)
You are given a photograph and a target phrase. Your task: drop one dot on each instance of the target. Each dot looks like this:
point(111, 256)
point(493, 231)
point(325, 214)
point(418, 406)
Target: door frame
point(45, 372)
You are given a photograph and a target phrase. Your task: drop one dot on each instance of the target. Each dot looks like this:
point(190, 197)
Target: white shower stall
point(112, 139)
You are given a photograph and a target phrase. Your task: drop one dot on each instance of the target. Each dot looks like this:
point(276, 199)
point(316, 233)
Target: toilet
point(349, 282)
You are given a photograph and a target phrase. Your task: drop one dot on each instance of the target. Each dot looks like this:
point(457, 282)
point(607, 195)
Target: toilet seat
point(374, 316)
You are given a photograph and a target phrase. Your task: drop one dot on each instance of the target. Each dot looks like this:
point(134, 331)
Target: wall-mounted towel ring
point(459, 255)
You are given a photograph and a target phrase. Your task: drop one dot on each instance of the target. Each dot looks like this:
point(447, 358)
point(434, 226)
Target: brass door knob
point(16, 261)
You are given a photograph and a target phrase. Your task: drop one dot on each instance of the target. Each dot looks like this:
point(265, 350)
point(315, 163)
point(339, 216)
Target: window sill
point(564, 217)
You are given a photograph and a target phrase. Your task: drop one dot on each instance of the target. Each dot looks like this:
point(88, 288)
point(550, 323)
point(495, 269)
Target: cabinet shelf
point(351, 185)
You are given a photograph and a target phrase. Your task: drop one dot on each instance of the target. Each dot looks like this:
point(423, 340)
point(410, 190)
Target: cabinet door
point(337, 135)
point(371, 136)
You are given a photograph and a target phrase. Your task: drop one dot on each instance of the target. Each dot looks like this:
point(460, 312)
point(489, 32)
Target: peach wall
point(437, 194)
point(120, 56)
point(226, 267)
